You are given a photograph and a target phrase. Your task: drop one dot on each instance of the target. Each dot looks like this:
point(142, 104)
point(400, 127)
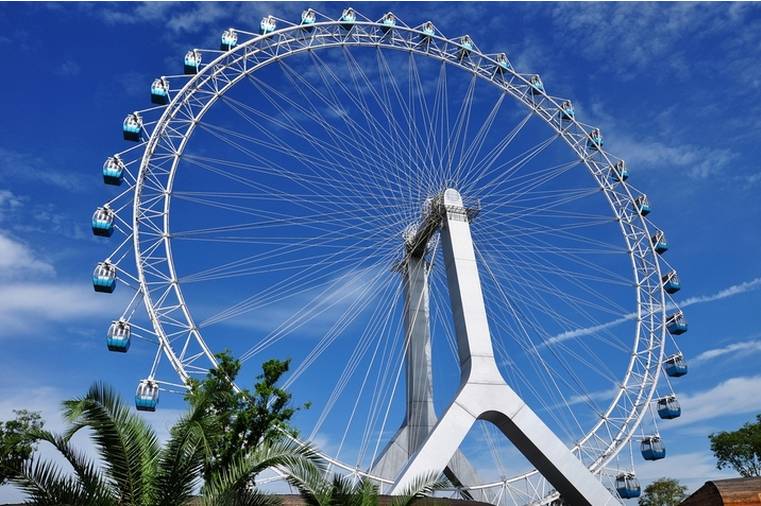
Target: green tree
point(134, 470)
point(250, 417)
point(739, 449)
point(16, 445)
point(663, 492)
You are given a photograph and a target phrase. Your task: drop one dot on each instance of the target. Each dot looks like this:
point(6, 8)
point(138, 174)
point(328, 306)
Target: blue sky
point(674, 87)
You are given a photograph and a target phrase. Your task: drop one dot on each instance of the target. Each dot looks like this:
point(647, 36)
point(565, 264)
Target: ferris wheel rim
point(192, 83)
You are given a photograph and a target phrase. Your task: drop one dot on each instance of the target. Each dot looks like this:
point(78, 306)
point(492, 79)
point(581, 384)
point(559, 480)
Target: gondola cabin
point(192, 62)
point(668, 407)
point(675, 366)
point(103, 221)
point(652, 448)
point(660, 243)
point(503, 63)
point(132, 127)
point(267, 25)
point(466, 46)
point(428, 30)
point(643, 205)
point(308, 18)
point(160, 91)
point(536, 86)
point(627, 486)
point(113, 170)
point(595, 140)
point(348, 18)
point(118, 336)
point(567, 111)
point(676, 324)
point(671, 282)
point(104, 277)
point(147, 395)
point(620, 172)
point(388, 21)
point(228, 40)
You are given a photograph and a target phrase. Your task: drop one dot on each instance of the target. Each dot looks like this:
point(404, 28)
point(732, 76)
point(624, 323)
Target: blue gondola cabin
point(103, 221)
point(160, 91)
point(643, 205)
point(118, 336)
point(668, 407)
point(619, 171)
point(466, 46)
point(671, 282)
point(228, 40)
point(428, 30)
point(132, 127)
point(348, 18)
point(660, 244)
point(267, 25)
point(308, 19)
point(627, 486)
point(567, 111)
point(536, 86)
point(192, 62)
point(676, 323)
point(595, 140)
point(388, 21)
point(147, 395)
point(113, 170)
point(104, 277)
point(652, 448)
point(503, 64)
point(675, 366)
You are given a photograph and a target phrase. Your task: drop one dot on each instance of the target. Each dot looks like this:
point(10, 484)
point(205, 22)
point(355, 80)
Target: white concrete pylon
point(420, 416)
point(483, 392)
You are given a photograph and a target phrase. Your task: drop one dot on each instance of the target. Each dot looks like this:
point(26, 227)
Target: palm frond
point(126, 444)
point(287, 455)
point(422, 486)
point(45, 485)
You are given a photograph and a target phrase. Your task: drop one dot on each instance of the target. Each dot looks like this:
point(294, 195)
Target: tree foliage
point(249, 417)
point(16, 444)
point(663, 492)
point(739, 449)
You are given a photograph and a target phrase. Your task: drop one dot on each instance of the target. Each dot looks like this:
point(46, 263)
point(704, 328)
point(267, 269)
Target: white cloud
point(21, 166)
point(740, 288)
point(17, 260)
point(745, 347)
point(734, 396)
point(691, 469)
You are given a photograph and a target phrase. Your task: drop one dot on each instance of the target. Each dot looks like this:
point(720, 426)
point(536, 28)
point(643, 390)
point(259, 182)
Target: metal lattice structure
point(151, 167)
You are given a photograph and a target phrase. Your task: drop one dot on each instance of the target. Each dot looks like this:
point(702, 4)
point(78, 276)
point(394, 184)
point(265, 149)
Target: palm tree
point(135, 470)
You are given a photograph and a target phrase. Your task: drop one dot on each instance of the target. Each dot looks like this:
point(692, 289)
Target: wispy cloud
point(731, 291)
point(17, 166)
point(18, 261)
point(734, 396)
point(742, 349)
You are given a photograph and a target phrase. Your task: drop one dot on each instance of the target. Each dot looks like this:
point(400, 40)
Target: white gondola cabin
point(132, 127)
point(104, 277)
point(160, 91)
point(388, 21)
point(103, 221)
point(466, 46)
point(428, 29)
point(147, 395)
point(118, 336)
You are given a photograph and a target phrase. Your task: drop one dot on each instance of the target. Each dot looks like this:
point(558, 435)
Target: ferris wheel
point(403, 215)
